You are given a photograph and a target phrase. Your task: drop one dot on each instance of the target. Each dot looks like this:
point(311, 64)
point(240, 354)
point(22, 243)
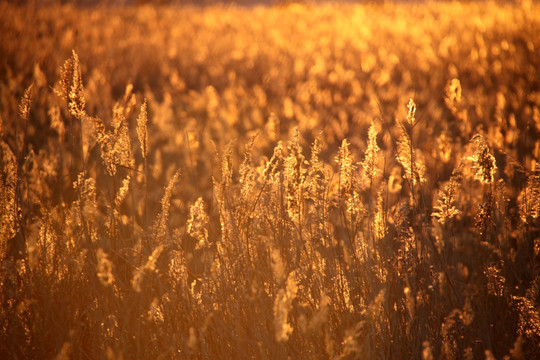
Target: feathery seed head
point(447, 198)
point(411, 107)
point(197, 225)
point(76, 97)
point(483, 162)
point(142, 133)
point(24, 106)
point(369, 165)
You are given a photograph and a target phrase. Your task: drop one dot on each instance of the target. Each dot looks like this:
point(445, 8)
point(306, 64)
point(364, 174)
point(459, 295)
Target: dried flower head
point(71, 86)
point(407, 157)
point(116, 144)
point(447, 198)
point(379, 223)
point(271, 166)
point(8, 188)
point(247, 172)
point(411, 112)
point(160, 227)
point(24, 106)
point(483, 163)
point(122, 192)
point(142, 133)
point(347, 168)
point(295, 175)
point(197, 225)
point(369, 165)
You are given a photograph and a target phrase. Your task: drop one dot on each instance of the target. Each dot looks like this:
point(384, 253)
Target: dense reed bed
point(297, 181)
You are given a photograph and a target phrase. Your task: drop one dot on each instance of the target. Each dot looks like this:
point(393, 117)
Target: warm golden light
point(298, 180)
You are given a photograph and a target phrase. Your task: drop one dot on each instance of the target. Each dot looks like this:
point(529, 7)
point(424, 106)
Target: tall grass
point(368, 188)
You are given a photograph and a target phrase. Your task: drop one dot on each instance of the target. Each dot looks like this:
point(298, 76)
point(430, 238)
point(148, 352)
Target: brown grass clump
point(217, 188)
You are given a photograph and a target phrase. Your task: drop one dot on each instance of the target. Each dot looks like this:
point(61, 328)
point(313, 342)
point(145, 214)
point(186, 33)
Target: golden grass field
point(296, 181)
